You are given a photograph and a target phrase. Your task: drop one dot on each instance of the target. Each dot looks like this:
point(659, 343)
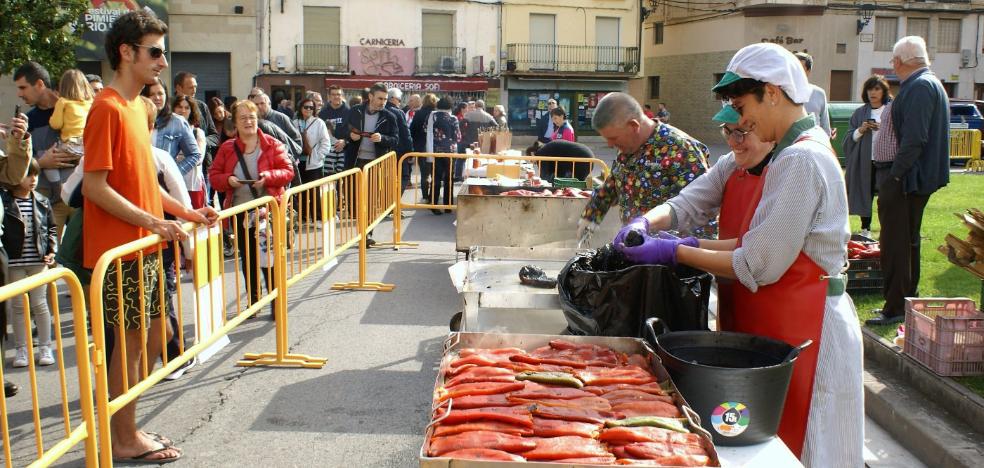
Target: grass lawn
point(938, 277)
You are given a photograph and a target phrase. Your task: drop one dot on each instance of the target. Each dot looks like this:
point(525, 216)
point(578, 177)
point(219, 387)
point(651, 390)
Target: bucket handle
point(793, 353)
point(651, 331)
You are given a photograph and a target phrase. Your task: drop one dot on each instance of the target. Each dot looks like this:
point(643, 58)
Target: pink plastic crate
point(945, 334)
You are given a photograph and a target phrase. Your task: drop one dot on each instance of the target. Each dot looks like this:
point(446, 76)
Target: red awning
point(412, 83)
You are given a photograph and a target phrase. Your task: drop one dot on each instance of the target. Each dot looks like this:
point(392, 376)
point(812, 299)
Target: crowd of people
point(94, 166)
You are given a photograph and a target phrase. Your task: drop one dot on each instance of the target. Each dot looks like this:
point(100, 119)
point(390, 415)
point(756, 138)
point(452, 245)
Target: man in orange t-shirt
point(123, 203)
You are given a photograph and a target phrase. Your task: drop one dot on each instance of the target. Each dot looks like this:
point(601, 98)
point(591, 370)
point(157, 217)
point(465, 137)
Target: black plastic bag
point(602, 294)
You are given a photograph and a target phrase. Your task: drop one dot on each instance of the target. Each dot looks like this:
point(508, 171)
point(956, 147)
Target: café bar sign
point(783, 40)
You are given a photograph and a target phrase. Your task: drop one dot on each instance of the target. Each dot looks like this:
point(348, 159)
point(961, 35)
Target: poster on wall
point(99, 18)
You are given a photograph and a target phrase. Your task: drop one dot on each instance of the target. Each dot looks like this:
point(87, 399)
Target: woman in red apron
point(782, 248)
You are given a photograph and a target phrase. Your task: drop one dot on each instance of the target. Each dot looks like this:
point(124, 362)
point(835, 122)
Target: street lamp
point(865, 11)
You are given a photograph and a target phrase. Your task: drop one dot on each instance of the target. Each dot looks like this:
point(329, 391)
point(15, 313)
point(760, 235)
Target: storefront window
point(528, 108)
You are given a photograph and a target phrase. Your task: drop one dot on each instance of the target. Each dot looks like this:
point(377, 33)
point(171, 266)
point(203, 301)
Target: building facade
point(442, 46)
point(687, 47)
point(574, 52)
point(216, 40)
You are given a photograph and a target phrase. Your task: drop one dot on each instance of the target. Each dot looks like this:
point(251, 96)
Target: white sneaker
point(181, 370)
point(45, 356)
point(866, 233)
point(20, 357)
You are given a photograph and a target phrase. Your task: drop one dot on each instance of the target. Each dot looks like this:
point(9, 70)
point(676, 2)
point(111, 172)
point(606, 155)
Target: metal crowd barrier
point(560, 165)
point(326, 212)
point(377, 198)
point(313, 225)
point(74, 434)
point(966, 143)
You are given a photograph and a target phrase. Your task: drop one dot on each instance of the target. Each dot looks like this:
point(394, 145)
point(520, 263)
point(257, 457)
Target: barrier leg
point(398, 214)
point(362, 284)
point(280, 358)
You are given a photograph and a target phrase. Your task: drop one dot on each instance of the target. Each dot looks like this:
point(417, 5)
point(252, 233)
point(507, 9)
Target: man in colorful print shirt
point(655, 161)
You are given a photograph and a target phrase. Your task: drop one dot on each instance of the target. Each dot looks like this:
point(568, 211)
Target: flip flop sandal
point(143, 459)
point(159, 438)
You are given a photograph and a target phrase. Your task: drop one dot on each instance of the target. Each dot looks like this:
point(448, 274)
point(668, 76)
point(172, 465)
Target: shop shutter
point(211, 69)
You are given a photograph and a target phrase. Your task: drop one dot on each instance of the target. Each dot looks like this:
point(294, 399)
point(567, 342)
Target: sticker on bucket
point(730, 419)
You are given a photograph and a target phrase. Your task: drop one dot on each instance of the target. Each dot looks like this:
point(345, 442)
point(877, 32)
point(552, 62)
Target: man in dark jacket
point(921, 166)
point(336, 112)
point(394, 98)
point(372, 129)
point(186, 84)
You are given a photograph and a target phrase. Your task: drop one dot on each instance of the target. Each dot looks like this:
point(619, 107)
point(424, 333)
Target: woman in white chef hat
point(781, 253)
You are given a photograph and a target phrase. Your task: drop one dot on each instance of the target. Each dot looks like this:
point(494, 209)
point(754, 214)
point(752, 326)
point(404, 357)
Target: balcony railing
point(321, 57)
point(437, 60)
point(551, 58)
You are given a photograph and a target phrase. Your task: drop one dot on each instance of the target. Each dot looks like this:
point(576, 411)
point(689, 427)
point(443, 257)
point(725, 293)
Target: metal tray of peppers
point(524, 401)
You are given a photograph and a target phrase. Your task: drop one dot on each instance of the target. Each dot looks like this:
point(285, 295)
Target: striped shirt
point(29, 254)
point(885, 143)
point(803, 208)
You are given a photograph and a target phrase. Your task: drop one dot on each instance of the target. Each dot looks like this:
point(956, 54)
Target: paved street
point(366, 408)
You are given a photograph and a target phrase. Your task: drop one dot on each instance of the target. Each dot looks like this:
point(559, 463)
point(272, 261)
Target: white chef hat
point(768, 63)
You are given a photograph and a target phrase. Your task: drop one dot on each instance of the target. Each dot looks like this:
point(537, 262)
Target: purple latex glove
point(639, 223)
point(688, 241)
point(660, 250)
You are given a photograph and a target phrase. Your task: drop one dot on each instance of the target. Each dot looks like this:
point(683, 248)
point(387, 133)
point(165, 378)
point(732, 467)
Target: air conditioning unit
point(965, 55)
point(448, 64)
point(477, 63)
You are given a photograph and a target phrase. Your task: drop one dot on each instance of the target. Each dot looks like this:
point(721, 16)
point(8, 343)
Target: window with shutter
point(948, 36)
point(918, 27)
point(886, 32)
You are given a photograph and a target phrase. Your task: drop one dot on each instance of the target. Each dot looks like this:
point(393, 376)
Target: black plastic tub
point(736, 382)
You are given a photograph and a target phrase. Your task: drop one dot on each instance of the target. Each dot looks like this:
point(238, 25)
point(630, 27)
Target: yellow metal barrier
point(326, 222)
point(378, 197)
point(252, 224)
point(436, 160)
point(966, 143)
point(81, 433)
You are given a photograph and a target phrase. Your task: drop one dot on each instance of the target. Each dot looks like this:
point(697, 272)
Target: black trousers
point(442, 181)
point(900, 215)
point(246, 240)
point(312, 209)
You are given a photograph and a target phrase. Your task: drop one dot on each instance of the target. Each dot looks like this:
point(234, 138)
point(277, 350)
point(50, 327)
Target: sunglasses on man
point(154, 51)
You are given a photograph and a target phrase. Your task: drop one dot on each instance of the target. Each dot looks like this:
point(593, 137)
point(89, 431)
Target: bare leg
point(127, 440)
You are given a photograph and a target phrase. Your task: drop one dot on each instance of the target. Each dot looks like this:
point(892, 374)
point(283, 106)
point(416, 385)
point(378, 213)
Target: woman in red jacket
point(245, 168)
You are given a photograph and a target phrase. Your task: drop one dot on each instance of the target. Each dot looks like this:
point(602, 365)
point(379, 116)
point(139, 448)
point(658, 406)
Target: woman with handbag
point(443, 136)
point(248, 167)
point(316, 142)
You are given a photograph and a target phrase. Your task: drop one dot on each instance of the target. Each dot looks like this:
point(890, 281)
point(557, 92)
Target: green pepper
point(552, 378)
point(672, 424)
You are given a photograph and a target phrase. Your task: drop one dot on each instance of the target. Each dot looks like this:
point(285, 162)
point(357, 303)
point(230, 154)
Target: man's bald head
point(616, 109)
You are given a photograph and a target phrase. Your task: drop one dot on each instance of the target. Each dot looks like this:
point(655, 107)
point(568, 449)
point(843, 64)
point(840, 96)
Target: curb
point(938, 434)
point(953, 397)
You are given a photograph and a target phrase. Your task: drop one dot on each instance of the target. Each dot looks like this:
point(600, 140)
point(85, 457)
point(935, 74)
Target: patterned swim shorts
point(131, 273)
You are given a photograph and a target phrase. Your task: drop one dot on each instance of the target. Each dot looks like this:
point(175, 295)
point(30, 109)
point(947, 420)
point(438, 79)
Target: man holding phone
point(373, 129)
point(373, 132)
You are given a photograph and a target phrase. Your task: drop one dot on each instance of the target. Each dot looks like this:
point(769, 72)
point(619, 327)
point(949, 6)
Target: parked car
point(966, 114)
